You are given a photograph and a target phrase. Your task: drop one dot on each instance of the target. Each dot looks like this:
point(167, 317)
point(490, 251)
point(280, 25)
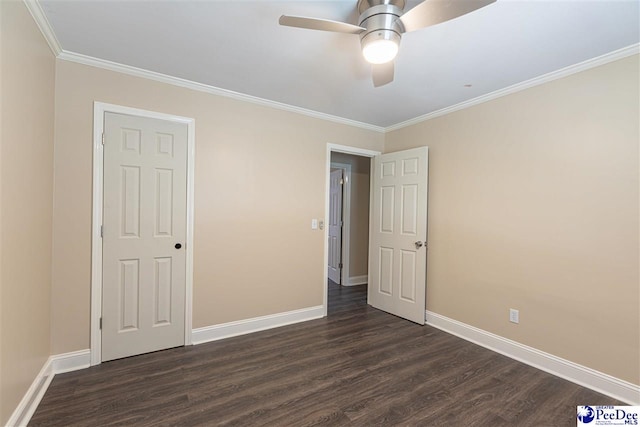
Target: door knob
point(418, 244)
point(178, 246)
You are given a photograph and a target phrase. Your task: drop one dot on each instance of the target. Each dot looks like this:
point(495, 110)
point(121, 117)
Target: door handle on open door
point(419, 244)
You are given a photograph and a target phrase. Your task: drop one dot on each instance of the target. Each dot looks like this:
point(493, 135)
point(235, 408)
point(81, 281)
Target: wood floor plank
point(357, 367)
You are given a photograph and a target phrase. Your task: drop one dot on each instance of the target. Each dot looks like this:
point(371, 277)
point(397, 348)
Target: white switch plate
point(314, 224)
point(514, 316)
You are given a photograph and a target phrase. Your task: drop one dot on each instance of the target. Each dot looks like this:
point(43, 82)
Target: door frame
point(99, 110)
point(345, 217)
point(336, 148)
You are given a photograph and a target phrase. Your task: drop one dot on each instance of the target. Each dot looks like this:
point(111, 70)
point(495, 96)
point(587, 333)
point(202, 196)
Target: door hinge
point(102, 138)
point(101, 323)
point(102, 231)
point(340, 265)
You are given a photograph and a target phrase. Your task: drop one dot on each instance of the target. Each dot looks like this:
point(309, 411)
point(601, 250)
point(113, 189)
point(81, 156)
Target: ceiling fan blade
point(432, 12)
point(382, 73)
point(320, 24)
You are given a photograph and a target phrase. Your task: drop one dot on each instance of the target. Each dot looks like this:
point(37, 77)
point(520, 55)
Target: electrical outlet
point(514, 315)
point(314, 224)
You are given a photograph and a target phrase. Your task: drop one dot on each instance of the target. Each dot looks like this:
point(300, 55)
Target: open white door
point(335, 226)
point(144, 262)
point(397, 242)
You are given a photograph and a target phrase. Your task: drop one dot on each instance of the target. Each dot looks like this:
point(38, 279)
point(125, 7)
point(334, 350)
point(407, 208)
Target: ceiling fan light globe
point(380, 51)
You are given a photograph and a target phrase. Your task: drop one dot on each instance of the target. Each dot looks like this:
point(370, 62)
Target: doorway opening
point(347, 219)
point(397, 253)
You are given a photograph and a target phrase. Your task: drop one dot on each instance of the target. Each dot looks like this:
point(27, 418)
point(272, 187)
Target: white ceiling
point(238, 46)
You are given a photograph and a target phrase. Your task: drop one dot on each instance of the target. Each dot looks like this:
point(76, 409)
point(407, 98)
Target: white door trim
point(346, 220)
point(99, 110)
point(335, 148)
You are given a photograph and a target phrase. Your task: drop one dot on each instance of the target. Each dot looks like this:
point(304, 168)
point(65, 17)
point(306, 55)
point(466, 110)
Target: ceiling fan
point(382, 23)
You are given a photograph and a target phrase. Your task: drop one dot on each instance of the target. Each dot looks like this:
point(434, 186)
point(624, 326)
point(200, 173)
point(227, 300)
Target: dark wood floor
point(357, 367)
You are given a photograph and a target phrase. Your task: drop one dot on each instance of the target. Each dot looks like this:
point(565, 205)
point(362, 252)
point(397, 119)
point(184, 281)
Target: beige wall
point(259, 178)
point(533, 205)
point(359, 217)
point(26, 198)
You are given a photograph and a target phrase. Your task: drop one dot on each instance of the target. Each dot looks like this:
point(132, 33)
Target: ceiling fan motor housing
point(379, 18)
point(363, 5)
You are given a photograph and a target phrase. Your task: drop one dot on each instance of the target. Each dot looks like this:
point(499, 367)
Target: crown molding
point(176, 81)
point(634, 49)
point(44, 25)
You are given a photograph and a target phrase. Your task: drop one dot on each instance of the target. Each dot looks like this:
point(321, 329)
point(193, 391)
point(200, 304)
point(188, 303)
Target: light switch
point(314, 224)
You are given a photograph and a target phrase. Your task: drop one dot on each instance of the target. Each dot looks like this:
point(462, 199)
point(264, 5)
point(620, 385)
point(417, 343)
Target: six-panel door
point(397, 243)
point(144, 220)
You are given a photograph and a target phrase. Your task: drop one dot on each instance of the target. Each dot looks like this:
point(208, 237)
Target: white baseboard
point(356, 280)
point(54, 365)
point(587, 377)
point(241, 327)
point(82, 359)
point(73, 361)
point(27, 406)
